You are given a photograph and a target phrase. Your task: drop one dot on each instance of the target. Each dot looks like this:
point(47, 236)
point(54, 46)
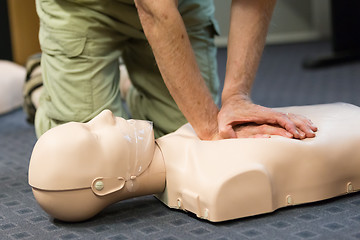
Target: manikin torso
point(234, 178)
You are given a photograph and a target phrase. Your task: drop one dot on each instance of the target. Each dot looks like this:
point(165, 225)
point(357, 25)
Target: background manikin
point(12, 77)
point(78, 169)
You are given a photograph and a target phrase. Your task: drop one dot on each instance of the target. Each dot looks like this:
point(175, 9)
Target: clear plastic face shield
point(141, 139)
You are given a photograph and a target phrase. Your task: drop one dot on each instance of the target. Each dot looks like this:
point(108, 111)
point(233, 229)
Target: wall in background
point(19, 27)
point(5, 41)
point(293, 21)
point(24, 29)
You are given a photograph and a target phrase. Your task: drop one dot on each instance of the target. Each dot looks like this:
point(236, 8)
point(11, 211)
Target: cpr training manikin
point(78, 169)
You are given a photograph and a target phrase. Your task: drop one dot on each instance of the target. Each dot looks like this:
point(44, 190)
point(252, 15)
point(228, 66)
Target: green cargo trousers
point(82, 41)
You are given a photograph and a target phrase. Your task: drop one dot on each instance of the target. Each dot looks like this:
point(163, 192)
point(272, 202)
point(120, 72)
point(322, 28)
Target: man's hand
point(238, 112)
point(253, 130)
point(249, 22)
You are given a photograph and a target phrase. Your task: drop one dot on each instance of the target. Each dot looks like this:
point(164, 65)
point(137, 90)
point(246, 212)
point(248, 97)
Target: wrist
point(235, 95)
point(209, 134)
point(207, 130)
point(236, 84)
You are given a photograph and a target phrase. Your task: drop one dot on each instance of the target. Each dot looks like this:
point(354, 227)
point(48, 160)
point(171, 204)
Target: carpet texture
point(281, 81)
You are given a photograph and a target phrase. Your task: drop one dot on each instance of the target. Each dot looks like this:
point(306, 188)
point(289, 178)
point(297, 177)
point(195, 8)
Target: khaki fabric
point(82, 41)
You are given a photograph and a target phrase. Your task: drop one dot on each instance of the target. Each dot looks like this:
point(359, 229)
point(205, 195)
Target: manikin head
point(77, 169)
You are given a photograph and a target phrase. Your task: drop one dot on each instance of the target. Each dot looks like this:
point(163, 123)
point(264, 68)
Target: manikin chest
point(228, 179)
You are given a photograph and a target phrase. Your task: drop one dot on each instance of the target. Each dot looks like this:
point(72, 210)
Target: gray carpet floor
point(281, 81)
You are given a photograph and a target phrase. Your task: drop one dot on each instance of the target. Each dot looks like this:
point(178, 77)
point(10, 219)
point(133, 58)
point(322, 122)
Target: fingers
point(304, 126)
point(275, 130)
point(260, 131)
point(261, 136)
point(311, 124)
point(298, 125)
point(289, 125)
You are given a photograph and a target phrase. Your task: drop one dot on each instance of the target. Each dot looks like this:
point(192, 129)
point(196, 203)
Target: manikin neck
point(151, 181)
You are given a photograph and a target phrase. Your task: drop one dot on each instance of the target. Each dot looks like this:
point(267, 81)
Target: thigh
point(79, 62)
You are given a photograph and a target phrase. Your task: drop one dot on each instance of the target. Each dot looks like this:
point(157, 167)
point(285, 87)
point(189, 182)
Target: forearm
point(248, 28)
point(166, 33)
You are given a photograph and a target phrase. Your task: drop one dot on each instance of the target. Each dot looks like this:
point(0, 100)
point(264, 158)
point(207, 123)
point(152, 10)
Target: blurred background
point(19, 27)
point(311, 56)
point(293, 21)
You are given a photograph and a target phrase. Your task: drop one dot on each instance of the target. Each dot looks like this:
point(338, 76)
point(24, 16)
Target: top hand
point(238, 110)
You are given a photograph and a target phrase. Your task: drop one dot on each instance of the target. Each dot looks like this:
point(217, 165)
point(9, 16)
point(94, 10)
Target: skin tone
point(166, 33)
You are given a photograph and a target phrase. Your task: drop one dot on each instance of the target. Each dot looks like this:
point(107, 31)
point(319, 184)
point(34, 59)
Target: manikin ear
point(103, 186)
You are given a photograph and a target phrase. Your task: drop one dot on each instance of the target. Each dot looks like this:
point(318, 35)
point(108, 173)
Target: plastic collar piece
point(141, 156)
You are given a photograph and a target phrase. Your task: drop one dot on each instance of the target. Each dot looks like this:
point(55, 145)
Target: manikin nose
point(105, 116)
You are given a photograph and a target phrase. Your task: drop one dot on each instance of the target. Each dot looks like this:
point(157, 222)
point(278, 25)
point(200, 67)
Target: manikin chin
point(78, 169)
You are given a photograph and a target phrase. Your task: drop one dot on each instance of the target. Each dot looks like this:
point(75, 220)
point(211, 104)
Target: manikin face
point(106, 146)
point(130, 141)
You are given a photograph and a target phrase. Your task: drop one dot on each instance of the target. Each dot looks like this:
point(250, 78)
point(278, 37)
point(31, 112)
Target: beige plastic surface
point(82, 204)
point(236, 178)
point(75, 172)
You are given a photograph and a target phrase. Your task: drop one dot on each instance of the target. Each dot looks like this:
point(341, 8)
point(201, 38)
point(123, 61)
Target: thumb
point(227, 131)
